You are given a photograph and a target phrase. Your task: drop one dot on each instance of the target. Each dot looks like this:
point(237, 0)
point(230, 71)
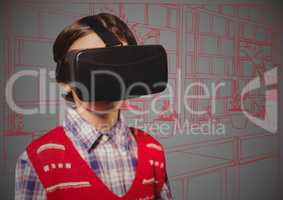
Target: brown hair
point(78, 29)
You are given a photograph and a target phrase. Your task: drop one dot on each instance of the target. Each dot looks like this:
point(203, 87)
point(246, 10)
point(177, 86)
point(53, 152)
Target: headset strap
point(107, 36)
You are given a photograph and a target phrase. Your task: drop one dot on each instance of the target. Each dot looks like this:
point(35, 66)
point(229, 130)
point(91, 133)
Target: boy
point(93, 154)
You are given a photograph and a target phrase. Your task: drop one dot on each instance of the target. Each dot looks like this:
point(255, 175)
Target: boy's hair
point(78, 29)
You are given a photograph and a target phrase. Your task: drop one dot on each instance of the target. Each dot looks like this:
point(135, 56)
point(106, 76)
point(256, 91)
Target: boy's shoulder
point(51, 136)
point(148, 140)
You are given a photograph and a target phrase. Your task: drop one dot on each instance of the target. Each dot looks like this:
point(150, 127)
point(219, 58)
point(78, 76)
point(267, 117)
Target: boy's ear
point(67, 92)
point(66, 87)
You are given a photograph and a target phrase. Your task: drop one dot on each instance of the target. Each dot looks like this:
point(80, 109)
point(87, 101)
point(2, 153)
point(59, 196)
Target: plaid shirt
point(111, 155)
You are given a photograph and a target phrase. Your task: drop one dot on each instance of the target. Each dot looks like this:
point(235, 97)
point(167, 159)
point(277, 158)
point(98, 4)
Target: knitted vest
point(66, 175)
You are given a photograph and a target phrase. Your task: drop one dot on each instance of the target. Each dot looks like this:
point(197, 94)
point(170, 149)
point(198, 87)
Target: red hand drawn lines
point(206, 43)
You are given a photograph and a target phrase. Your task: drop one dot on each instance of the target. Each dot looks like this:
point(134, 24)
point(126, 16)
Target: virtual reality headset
point(114, 72)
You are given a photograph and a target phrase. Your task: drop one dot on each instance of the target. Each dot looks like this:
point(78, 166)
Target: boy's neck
point(102, 122)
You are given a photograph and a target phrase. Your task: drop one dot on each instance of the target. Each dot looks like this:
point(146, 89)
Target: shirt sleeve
point(165, 193)
point(27, 183)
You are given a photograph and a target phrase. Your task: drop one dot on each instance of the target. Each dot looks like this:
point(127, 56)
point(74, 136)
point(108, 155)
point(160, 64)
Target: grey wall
point(206, 41)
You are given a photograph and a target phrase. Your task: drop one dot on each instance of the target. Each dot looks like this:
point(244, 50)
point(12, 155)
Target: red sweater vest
point(66, 175)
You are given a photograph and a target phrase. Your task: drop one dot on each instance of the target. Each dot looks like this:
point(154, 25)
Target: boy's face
point(90, 41)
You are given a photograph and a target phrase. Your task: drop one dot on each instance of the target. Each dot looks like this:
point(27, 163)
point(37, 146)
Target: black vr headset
point(114, 72)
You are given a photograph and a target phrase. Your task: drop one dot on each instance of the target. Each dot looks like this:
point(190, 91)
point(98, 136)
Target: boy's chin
point(102, 109)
